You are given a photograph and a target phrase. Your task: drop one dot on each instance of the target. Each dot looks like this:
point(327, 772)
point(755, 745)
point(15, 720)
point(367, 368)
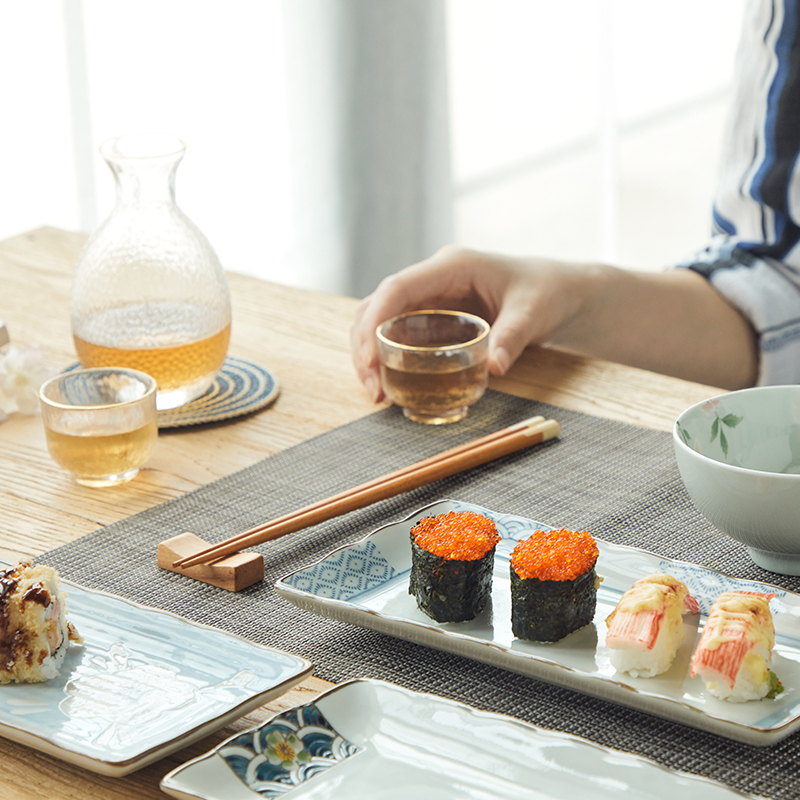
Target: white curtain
point(319, 153)
point(371, 182)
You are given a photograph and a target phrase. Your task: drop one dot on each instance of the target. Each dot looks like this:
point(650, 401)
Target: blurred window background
point(585, 129)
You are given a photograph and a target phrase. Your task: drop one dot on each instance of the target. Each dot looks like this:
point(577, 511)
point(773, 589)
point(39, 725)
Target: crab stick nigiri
point(645, 630)
point(734, 653)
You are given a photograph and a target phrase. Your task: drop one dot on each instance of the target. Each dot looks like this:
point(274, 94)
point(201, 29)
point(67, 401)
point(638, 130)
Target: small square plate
point(143, 684)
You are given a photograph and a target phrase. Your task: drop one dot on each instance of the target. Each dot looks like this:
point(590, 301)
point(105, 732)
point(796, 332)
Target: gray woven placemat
point(615, 480)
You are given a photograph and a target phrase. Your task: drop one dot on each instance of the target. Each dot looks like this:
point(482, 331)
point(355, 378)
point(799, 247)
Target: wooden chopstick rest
point(234, 572)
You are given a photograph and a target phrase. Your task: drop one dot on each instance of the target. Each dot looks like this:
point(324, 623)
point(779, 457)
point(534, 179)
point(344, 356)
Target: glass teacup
point(100, 424)
point(434, 364)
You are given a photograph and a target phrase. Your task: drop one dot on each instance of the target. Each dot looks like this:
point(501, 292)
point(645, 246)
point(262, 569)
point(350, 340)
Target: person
point(727, 316)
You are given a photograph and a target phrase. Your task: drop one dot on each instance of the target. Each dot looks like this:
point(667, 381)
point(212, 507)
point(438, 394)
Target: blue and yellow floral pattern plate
point(391, 742)
point(366, 584)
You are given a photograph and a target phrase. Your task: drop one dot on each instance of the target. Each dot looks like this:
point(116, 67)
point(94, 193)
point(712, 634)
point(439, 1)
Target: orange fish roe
point(555, 555)
point(457, 535)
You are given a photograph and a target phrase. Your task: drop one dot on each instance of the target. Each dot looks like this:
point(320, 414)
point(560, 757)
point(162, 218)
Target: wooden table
point(302, 338)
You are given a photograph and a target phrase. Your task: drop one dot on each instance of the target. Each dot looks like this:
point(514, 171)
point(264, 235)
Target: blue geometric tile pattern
point(706, 586)
point(286, 751)
point(345, 574)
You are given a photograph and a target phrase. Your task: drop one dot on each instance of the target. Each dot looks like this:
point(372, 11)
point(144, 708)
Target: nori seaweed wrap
point(553, 585)
point(452, 562)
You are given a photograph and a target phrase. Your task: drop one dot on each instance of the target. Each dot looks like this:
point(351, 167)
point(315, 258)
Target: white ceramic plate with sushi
point(143, 684)
point(366, 584)
point(371, 740)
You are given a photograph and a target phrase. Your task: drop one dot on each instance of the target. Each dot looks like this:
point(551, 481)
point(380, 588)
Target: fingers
point(441, 281)
point(539, 300)
point(514, 329)
point(525, 301)
point(364, 352)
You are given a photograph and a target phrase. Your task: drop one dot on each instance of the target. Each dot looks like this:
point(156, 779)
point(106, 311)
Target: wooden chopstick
point(246, 537)
point(457, 459)
point(447, 454)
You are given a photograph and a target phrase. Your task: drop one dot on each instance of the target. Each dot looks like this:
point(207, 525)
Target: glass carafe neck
point(144, 167)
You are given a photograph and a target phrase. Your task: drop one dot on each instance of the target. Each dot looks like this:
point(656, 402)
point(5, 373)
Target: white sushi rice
point(629, 656)
point(752, 680)
point(55, 614)
point(644, 663)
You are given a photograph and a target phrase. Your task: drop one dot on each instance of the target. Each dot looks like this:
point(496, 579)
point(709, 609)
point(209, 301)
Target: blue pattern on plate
point(387, 607)
point(515, 528)
point(286, 751)
point(348, 572)
point(129, 693)
point(706, 586)
point(345, 574)
point(508, 526)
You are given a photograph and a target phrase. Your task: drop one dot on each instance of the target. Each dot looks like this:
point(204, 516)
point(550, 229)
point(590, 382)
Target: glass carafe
point(149, 292)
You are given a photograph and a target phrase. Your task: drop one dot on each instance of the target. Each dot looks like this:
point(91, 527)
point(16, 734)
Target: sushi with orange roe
point(645, 630)
point(452, 562)
point(734, 653)
point(553, 584)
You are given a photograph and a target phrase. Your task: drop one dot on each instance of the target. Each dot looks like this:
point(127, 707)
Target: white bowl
point(739, 457)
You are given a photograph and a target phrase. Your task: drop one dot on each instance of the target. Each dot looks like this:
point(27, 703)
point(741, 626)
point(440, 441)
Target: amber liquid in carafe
point(177, 356)
point(172, 367)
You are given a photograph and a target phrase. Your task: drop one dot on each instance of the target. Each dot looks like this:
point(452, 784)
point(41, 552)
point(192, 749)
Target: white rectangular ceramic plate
point(143, 684)
point(367, 584)
point(370, 740)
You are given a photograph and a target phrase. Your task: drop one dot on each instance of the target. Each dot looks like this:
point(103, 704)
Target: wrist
point(591, 291)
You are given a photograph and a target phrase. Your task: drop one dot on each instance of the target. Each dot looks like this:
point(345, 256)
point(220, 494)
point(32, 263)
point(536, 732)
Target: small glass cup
point(100, 424)
point(434, 364)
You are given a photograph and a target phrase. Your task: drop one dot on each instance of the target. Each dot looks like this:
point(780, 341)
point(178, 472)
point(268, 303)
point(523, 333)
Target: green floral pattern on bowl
point(717, 429)
point(728, 430)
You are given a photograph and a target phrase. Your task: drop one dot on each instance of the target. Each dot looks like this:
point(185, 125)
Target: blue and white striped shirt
point(754, 255)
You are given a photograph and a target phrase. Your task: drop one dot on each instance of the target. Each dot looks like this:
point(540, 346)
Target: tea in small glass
point(434, 364)
point(100, 424)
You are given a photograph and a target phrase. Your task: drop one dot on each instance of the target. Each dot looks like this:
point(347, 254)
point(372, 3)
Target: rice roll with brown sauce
point(34, 630)
point(452, 561)
point(553, 584)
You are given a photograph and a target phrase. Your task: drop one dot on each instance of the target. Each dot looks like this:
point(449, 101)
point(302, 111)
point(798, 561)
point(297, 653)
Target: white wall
point(211, 72)
point(37, 178)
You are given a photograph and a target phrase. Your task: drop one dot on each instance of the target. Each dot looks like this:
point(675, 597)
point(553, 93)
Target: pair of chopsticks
point(458, 459)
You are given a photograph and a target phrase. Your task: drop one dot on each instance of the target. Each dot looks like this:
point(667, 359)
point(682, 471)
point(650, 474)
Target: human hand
point(525, 300)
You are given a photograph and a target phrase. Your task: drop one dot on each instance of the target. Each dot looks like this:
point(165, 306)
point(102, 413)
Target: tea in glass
point(183, 359)
point(100, 424)
point(434, 364)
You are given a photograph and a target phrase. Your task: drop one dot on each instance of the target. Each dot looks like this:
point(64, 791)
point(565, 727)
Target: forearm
point(674, 322)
